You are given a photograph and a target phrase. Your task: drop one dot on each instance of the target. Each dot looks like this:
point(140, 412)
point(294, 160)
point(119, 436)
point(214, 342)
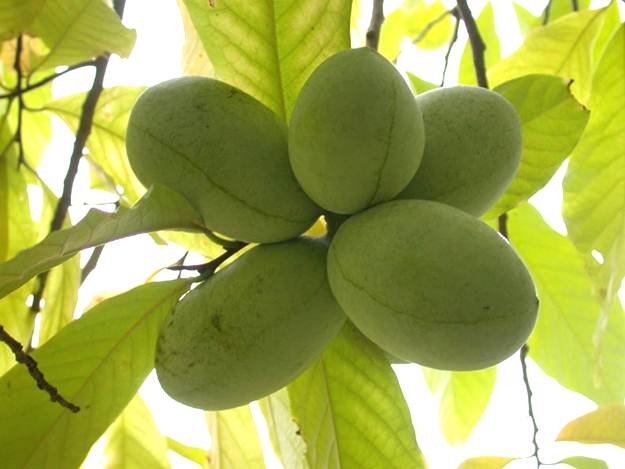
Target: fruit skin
point(431, 284)
point(356, 135)
point(472, 150)
point(225, 152)
point(251, 328)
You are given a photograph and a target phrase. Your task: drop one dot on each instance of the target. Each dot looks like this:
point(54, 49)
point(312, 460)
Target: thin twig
point(477, 44)
point(428, 27)
point(523, 356)
point(574, 5)
point(14, 93)
point(91, 263)
point(17, 137)
point(546, 13)
point(377, 19)
point(209, 268)
point(454, 38)
point(29, 362)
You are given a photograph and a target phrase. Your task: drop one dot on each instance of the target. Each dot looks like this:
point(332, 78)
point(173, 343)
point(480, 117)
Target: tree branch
point(574, 5)
point(377, 19)
point(428, 27)
point(477, 44)
point(29, 362)
point(546, 13)
point(91, 263)
point(17, 65)
point(208, 269)
point(454, 38)
point(523, 356)
point(17, 92)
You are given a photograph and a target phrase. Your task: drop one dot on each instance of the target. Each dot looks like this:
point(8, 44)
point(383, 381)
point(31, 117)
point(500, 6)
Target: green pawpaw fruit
point(356, 134)
point(472, 150)
point(251, 328)
point(431, 284)
point(225, 152)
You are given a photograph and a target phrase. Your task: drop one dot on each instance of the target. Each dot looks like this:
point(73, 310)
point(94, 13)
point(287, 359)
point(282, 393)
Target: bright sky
point(505, 428)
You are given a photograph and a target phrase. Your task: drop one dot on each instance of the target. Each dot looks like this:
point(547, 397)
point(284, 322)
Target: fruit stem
point(377, 18)
point(333, 223)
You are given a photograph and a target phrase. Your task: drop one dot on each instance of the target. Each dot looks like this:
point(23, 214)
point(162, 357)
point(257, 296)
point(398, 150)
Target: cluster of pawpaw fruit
point(400, 180)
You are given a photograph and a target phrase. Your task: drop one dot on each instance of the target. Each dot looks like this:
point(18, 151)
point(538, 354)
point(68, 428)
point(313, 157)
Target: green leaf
point(562, 48)
point(582, 462)
point(604, 425)
point(268, 48)
point(419, 85)
point(433, 15)
point(526, 20)
point(486, 26)
point(486, 462)
point(594, 186)
point(77, 30)
point(16, 16)
point(61, 296)
point(197, 455)
point(194, 58)
point(552, 123)
point(350, 409)
point(134, 441)
point(161, 208)
point(107, 141)
point(97, 362)
point(234, 439)
point(610, 25)
point(17, 320)
point(283, 431)
point(562, 342)
point(463, 399)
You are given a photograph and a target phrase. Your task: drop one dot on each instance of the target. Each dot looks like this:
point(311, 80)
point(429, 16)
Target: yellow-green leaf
point(16, 16)
point(161, 208)
point(234, 439)
point(134, 441)
point(486, 462)
point(463, 399)
point(562, 48)
point(526, 20)
point(604, 425)
point(76, 30)
point(107, 141)
point(283, 431)
point(562, 342)
point(268, 48)
point(582, 462)
point(594, 186)
point(195, 61)
point(351, 411)
point(197, 455)
point(419, 85)
point(97, 362)
point(552, 122)
point(486, 26)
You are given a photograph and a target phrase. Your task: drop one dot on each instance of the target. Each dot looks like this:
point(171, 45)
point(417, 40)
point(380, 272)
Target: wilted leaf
point(486, 26)
point(161, 208)
point(562, 48)
point(134, 441)
point(604, 425)
point(594, 186)
point(463, 399)
point(97, 362)
point(562, 342)
point(283, 431)
point(107, 141)
point(350, 409)
point(77, 30)
point(234, 439)
point(552, 123)
point(268, 48)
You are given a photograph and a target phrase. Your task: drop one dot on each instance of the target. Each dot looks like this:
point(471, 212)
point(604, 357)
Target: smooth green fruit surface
point(472, 150)
point(356, 135)
point(251, 328)
point(431, 284)
point(225, 152)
